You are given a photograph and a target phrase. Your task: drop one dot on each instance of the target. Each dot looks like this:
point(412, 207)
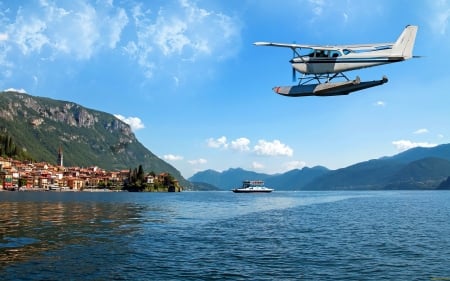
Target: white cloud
point(134, 122)
point(182, 31)
point(380, 103)
point(79, 29)
point(257, 166)
point(240, 144)
point(198, 161)
point(170, 36)
point(171, 157)
point(22, 91)
point(421, 131)
point(217, 143)
point(403, 145)
point(264, 148)
point(28, 34)
point(274, 148)
point(166, 40)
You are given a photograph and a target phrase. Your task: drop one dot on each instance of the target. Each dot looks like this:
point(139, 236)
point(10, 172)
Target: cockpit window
point(335, 54)
point(325, 53)
point(320, 54)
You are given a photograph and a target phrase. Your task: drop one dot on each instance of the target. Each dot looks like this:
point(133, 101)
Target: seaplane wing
point(358, 47)
point(294, 46)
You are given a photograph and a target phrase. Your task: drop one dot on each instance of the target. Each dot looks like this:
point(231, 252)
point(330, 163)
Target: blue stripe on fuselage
point(349, 60)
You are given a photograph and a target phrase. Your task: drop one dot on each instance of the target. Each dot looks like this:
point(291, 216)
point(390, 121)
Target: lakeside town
point(17, 175)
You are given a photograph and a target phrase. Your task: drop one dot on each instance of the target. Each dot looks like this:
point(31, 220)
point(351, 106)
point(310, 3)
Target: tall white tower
point(59, 161)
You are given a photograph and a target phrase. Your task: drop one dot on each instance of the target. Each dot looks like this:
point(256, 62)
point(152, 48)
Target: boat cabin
point(252, 183)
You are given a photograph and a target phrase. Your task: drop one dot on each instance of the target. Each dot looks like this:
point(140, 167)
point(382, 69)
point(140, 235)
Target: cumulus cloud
point(134, 122)
point(240, 144)
point(217, 143)
point(403, 145)
point(171, 157)
point(182, 31)
point(198, 161)
point(263, 148)
point(257, 165)
point(274, 148)
point(77, 29)
point(163, 38)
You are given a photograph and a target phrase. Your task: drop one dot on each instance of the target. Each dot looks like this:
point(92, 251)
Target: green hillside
point(87, 137)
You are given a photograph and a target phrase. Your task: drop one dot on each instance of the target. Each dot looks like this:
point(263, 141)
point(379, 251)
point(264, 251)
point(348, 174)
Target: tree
point(135, 180)
point(10, 149)
point(140, 174)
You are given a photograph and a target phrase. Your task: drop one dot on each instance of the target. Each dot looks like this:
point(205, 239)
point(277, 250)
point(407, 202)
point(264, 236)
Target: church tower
point(59, 161)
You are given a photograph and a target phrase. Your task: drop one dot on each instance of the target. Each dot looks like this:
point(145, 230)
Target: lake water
point(401, 235)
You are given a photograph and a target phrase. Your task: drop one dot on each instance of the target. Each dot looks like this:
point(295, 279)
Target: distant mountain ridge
point(417, 168)
point(231, 178)
point(87, 137)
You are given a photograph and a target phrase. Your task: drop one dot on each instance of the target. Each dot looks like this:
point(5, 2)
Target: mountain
point(226, 180)
point(201, 186)
point(424, 173)
point(87, 137)
point(372, 174)
point(417, 168)
point(417, 153)
point(295, 179)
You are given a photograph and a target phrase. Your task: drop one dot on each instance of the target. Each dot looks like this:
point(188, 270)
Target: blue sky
point(185, 75)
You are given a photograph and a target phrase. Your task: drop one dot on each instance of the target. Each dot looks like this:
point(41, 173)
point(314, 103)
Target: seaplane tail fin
point(404, 45)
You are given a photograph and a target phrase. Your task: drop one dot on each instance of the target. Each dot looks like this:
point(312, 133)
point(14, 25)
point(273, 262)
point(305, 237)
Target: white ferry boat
point(254, 186)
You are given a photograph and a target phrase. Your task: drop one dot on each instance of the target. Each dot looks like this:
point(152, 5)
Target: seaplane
point(323, 67)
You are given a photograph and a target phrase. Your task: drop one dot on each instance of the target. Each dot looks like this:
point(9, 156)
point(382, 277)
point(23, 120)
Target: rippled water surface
point(225, 236)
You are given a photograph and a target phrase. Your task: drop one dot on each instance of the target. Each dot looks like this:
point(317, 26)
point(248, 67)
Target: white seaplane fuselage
point(340, 58)
point(343, 60)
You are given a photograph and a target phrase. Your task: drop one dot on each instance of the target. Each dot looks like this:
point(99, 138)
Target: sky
point(198, 94)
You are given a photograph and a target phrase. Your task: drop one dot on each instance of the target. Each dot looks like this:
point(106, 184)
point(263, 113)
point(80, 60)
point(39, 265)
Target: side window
point(320, 54)
point(334, 54)
point(346, 51)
